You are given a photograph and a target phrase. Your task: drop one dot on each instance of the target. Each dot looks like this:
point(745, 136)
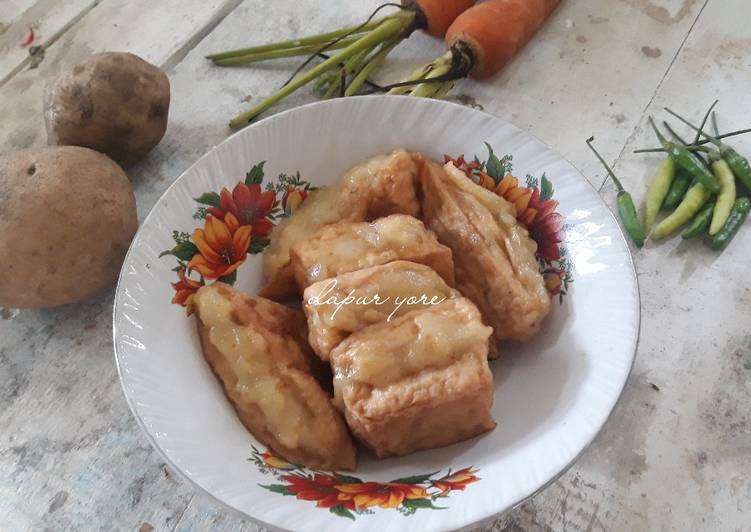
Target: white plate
point(552, 395)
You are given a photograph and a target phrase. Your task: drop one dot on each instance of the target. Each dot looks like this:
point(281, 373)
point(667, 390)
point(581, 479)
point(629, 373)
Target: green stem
point(388, 29)
point(660, 136)
point(704, 121)
point(715, 127)
point(675, 135)
point(702, 149)
point(374, 63)
point(333, 77)
point(321, 38)
point(725, 135)
point(700, 146)
point(288, 52)
point(712, 139)
point(429, 90)
point(337, 82)
point(334, 80)
point(443, 90)
point(416, 75)
point(617, 181)
point(684, 143)
point(436, 68)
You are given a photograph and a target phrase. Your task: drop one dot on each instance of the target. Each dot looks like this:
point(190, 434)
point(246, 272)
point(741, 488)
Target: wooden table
point(676, 453)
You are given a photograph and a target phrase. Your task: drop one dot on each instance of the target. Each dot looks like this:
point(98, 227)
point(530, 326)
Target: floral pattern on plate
point(348, 496)
point(239, 222)
point(236, 224)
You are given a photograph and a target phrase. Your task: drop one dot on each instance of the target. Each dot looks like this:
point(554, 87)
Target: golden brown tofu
point(347, 247)
point(383, 185)
point(352, 301)
point(418, 382)
point(494, 257)
point(254, 346)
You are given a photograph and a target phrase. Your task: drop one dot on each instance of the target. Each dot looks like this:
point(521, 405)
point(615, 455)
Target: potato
point(115, 103)
point(67, 216)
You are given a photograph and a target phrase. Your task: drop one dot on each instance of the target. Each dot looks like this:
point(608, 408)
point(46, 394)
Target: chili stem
point(699, 146)
point(697, 138)
point(714, 126)
point(726, 135)
point(385, 31)
point(659, 134)
point(712, 139)
point(321, 38)
point(288, 52)
point(672, 132)
point(663, 150)
point(680, 139)
point(612, 175)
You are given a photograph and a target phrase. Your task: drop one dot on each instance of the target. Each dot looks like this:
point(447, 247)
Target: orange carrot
point(438, 14)
point(481, 41)
point(495, 30)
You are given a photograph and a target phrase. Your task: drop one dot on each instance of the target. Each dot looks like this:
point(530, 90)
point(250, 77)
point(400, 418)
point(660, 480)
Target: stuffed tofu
point(347, 247)
point(339, 306)
point(418, 382)
point(257, 350)
point(382, 185)
point(494, 257)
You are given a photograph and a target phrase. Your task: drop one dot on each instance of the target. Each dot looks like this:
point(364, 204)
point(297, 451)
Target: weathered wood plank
point(49, 19)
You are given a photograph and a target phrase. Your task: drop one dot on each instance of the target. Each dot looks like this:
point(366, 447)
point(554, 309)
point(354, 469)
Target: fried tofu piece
point(339, 306)
point(346, 247)
point(418, 382)
point(382, 185)
point(257, 350)
point(494, 257)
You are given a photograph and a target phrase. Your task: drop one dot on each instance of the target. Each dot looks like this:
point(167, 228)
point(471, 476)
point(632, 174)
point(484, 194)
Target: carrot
point(438, 14)
point(494, 31)
point(360, 50)
point(481, 41)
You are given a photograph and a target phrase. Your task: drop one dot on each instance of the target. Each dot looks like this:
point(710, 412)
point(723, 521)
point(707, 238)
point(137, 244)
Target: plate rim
point(494, 514)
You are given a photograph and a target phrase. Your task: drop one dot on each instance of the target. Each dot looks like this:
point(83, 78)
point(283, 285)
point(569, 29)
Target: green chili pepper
point(678, 189)
point(658, 191)
point(726, 198)
point(738, 164)
point(688, 161)
point(734, 222)
point(700, 222)
point(626, 207)
point(695, 199)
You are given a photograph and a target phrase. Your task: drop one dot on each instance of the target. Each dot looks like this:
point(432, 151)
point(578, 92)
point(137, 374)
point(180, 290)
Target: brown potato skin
point(67, 216)
point(115, 103)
